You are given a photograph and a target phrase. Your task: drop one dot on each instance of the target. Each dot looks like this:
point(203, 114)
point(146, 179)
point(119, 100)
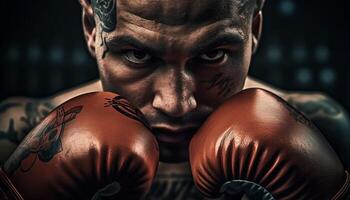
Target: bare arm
point(17, 117)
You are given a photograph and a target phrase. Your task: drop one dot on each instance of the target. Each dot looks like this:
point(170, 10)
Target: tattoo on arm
point(122, 105)
point(6, 106)
point(317, 107)
point(330, 118)
point(44, 142)
point(10, 134)
point(297, 115)
point(34, 112)
point(222, 83)
point(107, 13)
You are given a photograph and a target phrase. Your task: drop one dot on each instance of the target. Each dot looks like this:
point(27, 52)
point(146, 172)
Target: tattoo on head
point(122, 105)
point(106, 12)
point(222, 83)
point(43, 143)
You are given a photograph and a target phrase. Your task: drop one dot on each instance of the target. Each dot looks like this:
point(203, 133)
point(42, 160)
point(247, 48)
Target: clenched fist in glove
point(256, 145)
point(95, 146)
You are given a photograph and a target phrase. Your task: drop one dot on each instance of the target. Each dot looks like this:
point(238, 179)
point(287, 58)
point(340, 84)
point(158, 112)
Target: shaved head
point(174, 12)
point(179, 12)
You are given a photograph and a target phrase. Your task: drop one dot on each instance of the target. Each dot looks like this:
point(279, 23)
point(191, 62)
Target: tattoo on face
point(106, 12)
point(44, 142)
point(105, 46)
point(34, 112)
point(122, 105)
point(223, 84)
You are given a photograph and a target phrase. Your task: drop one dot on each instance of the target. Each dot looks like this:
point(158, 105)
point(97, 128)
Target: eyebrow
point(222, 38)
point(124, 40)
point(208, 42)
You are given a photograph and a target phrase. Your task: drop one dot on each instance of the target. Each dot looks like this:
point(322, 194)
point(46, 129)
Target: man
point(176, 61)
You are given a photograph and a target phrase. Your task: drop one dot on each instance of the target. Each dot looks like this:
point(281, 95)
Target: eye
point(214, 55)
point(136, 56)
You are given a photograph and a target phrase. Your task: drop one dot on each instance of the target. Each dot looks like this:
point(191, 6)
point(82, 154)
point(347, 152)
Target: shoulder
point(24, 111)
point(19, 115)
point(21, 112)
point(63, 96)
point(317, 105)
point(327, 114)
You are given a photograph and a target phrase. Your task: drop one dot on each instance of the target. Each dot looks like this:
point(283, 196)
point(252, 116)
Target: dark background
point(303, 47)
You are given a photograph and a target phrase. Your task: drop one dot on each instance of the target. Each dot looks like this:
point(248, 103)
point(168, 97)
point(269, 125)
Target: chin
point(174, 146)
point(173, 152)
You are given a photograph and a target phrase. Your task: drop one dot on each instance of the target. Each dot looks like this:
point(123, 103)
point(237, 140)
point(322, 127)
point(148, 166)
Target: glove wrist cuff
point(251, 189)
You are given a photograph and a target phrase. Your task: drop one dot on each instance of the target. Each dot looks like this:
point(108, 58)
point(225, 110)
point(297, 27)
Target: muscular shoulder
point(329, 116)
point(63, 96)
point(18, 115)
point(321, 109)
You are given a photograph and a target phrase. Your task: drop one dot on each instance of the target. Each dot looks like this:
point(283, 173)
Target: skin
point(174, 60)
point(179, 85)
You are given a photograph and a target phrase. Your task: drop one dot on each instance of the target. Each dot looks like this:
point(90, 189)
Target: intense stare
point(174, 60)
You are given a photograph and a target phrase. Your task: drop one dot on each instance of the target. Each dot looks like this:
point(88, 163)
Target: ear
point(89, 26)
point(256, 30)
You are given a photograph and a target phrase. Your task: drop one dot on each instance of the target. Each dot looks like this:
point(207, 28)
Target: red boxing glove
point(256, 145)
point(92, 147)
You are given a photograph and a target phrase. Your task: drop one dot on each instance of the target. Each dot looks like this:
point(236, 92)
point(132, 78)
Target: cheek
point(218, 84)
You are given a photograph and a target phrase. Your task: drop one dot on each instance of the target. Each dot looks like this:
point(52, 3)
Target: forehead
point(179, 24)
point(179, 12)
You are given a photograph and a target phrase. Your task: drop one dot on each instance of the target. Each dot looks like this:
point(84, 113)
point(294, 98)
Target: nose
point(174, 93)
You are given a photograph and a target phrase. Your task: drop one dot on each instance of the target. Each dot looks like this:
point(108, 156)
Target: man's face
point(176, 61)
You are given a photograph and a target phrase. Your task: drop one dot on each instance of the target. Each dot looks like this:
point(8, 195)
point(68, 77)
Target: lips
point(171, 135)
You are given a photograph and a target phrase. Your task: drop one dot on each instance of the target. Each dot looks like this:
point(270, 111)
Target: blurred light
point(304, 76)
point(79, 57)
point(299, 54)
point(56, 55)
point(274, 54)
point(322, 53)
point(13, 54)
point(327, 76)
point(34, 53)
point(286, 7)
